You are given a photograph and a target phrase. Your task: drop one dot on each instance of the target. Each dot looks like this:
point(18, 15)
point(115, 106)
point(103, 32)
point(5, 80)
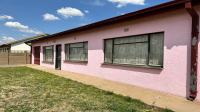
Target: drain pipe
point(194, 50)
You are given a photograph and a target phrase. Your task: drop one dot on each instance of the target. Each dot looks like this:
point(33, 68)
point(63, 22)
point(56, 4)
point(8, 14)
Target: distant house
point(155, 48)
point(19, 46)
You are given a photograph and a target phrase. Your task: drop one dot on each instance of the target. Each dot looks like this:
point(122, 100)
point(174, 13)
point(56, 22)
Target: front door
point(37, 55)
point(58, 57)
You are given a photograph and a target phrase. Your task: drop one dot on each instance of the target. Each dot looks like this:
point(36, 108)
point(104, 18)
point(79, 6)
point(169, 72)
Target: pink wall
point(172, 79)
point(198, 83)
point(41, 55)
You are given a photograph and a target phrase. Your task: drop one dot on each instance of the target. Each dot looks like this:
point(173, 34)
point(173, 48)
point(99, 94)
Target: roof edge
point(25, 40)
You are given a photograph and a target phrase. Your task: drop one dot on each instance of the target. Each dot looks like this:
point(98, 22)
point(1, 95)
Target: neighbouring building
point(155, 48)
point(19, 45)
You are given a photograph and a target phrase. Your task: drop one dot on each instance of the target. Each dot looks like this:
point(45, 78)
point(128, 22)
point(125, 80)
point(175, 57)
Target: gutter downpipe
point(194, 50)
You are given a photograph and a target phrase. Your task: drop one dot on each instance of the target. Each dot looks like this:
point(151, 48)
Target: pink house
point(154, 48)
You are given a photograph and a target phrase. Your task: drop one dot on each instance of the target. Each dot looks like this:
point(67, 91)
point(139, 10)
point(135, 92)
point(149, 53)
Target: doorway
point(37, 55)
point(58, 57)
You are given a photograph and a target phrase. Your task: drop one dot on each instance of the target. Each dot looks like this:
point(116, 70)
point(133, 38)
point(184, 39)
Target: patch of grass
point(24, 89)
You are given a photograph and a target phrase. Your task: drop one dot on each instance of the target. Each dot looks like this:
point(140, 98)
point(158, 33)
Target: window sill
point(45, 62)
point(81, 62)
point(136, 66)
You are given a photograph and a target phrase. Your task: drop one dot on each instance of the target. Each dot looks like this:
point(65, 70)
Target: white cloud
point(98, 3)
point(122, 3)
point(6, 39)
point(4, 17)
point(16, 25)
point(69, 12)
point(22, 28)
point(50, 17)
point(122, 13)
point(86, 11)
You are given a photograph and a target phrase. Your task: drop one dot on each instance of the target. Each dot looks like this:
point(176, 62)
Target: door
point(58, 57)
point(37, 55)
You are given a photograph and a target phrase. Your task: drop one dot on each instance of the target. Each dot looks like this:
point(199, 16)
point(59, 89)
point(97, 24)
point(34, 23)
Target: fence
point(7, 58)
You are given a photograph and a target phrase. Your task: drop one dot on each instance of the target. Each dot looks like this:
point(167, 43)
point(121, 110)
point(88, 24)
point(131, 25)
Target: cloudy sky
point(20, 19)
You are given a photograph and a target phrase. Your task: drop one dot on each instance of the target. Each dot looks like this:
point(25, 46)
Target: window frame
point(75, 61)
point(44, 55)
point(132, 65)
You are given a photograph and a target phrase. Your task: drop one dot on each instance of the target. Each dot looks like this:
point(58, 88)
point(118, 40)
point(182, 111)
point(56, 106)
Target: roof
point(172, 5)
point(25, 40)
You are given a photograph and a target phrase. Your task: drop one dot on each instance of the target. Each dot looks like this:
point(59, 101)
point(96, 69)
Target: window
point(76, 51)
point(48, 52)
point(141, 50)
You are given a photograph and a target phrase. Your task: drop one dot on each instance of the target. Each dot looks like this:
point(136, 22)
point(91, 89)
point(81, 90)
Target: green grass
point(27, 90)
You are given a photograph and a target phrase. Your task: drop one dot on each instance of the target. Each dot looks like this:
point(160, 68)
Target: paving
point(151, 97)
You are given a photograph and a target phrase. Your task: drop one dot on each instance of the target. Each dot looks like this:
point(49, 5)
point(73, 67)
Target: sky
point(21, 19)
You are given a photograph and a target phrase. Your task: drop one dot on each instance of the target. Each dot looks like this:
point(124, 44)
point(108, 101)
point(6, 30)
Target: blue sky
point(20, 19)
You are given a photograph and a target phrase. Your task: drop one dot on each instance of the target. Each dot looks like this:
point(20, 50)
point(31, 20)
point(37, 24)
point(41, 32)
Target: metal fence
point(7, 58)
